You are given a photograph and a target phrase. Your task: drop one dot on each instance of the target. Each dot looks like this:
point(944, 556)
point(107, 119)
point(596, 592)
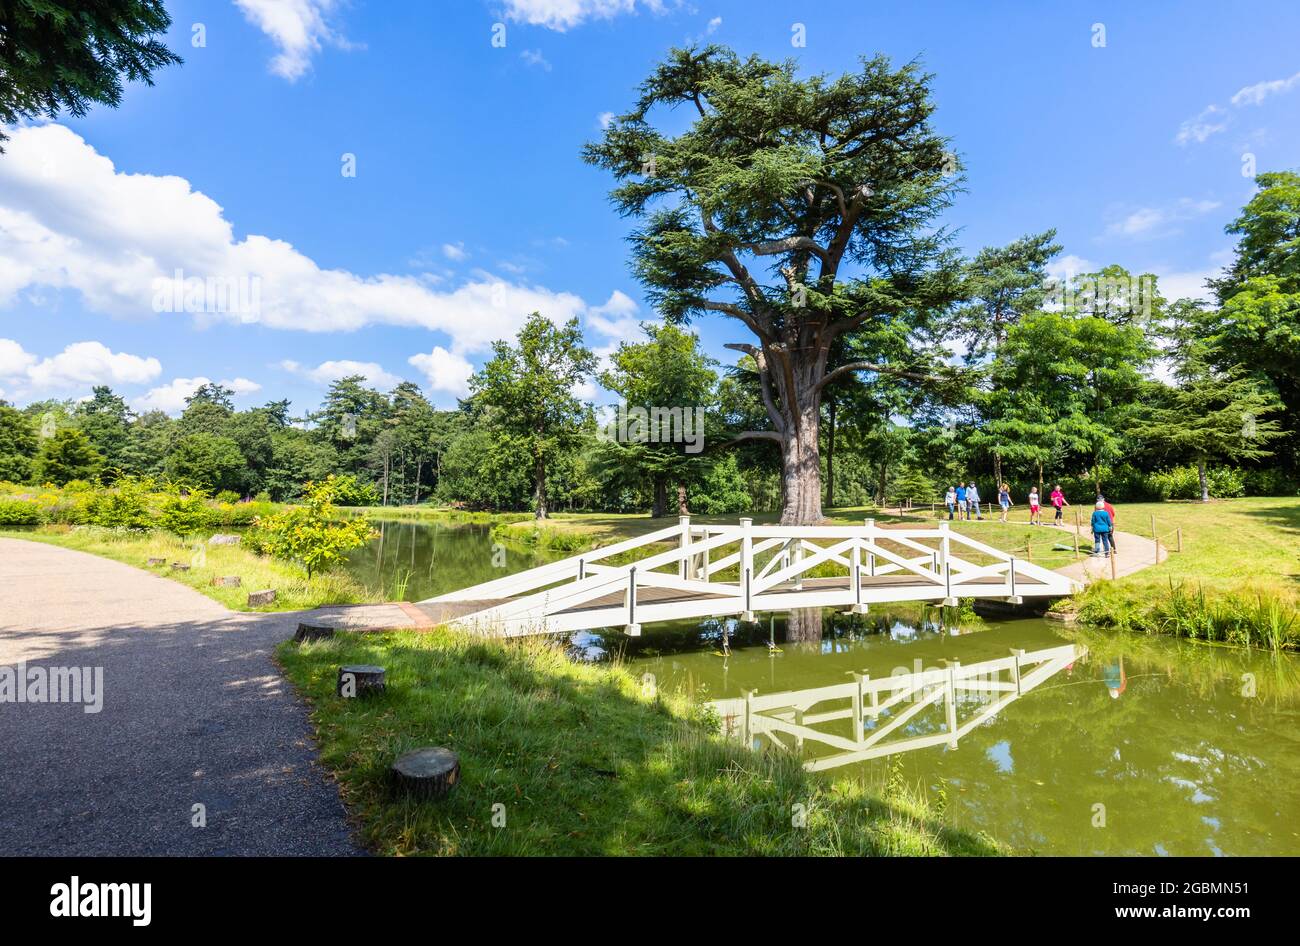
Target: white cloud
point(617, 318)
point(606, 119)
point(14, 361)
point(108, 235)
point(1214, 118)
point(444, 371)
point(299, 28)
point(1160, 221)
point(329, 371)
point(562, 15)
point(170, 397)
point(1069, 266)
point(1210, 121)
point(1257, 93)
point(455, 252)
point(534, 57)
point(87, 363)
point(713, 26)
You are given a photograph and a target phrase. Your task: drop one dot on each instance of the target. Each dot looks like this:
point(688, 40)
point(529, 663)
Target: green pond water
point(1117, 745)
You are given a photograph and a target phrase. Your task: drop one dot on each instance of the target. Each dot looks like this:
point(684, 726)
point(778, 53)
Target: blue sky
point(470, 205)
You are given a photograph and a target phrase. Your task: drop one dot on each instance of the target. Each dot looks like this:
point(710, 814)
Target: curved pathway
point(194, 712)
point(1132, 554)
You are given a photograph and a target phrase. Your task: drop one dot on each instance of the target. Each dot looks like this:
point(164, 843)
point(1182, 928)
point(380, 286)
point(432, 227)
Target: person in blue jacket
point(1101, 529)
point(961, 501)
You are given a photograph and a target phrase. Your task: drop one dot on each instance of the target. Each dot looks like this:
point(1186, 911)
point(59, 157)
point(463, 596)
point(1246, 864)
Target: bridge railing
point(690, 569)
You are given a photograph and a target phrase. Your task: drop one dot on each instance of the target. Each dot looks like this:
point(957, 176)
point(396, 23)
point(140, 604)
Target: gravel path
point(194, 712)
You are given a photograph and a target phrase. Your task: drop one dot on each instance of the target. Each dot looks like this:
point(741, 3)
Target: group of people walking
point(963, 502)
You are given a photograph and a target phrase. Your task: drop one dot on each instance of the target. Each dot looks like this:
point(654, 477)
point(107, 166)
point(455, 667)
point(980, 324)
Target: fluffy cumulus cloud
point(563, 15)
point(328, 372)
point(78, 366)
point(299, 29)
point(170, 397)
point(444, 371)
point(69, 220)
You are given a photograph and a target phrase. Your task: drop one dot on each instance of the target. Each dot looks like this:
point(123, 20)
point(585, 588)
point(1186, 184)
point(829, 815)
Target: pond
point(1105, 745)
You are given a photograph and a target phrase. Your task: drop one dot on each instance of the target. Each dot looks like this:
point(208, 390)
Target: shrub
point(311, 534)
point(186, 514)
point(19, 512)
point(227, 496)
point(126, 506)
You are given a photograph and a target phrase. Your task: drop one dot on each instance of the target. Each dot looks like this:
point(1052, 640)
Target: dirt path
point(1132, 554)
point(194, 712)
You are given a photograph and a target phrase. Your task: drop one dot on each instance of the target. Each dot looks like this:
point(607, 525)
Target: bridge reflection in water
point(899, 713)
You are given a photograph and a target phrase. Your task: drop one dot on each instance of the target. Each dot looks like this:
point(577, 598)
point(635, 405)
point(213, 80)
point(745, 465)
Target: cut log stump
point(312, 632)
point(256, 598)
point(226, 581)
point(358, 680)
point(431, 772)
point(178, 567)
point(156, 561)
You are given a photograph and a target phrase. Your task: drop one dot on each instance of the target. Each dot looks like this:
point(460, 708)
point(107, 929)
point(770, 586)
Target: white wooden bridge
point(868, 718)
point(744, 569)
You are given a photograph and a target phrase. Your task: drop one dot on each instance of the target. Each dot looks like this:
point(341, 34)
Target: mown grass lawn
point(576, 759)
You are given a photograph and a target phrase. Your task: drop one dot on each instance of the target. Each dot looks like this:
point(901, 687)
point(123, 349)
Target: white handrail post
point(1011, 573)
point(633, 628)
point(746, 565)
point(871, 556)
point(683, 567)
point(858, 606)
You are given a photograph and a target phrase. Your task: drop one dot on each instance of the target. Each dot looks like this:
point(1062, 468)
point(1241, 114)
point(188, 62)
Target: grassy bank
point(1237, 579)
point(582, 761)
point(294, 590)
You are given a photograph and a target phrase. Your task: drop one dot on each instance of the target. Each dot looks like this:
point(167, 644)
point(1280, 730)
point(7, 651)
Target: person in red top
point(1058, 500)
point(1110, 511)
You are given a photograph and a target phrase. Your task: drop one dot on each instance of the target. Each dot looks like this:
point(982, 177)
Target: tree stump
point(359, 680)
point(156, 561)
point(431, 772)
point(256, 598)
point(312, 632)
point(226, 581)
point(178, 567)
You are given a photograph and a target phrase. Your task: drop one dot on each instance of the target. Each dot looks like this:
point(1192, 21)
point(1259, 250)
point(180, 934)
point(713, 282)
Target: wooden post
point(871, 556)
point(684, 542)
point(1077, 535)
point(1180, 538)
point(1112, 560)
point(633, 628)
point(746, 565)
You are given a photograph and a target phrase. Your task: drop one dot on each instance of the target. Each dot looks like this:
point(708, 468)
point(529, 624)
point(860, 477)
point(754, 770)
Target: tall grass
point(1263, 618)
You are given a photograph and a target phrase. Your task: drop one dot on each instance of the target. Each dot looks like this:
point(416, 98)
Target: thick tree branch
point(878, 369)
point(764, 381)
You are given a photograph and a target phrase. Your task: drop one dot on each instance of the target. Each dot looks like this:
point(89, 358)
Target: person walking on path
point(1035, 508)
point(1004, 500)
point(973, 502)
point(962, 508)
point(1058, 501)
point(1110, 511)
point(950, 500)
point(1102, 529)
